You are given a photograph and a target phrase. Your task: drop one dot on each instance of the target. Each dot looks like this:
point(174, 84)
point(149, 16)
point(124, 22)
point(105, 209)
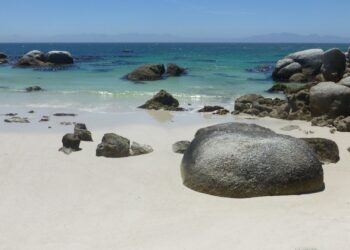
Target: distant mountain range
point(167, 38)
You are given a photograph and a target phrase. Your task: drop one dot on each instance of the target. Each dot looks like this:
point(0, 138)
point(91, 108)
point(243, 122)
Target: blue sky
point(174, 19)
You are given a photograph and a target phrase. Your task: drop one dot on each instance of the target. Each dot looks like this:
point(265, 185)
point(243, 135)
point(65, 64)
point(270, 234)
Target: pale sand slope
point(49, 200)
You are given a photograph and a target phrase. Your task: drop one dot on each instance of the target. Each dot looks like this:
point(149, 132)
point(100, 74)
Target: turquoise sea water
point(217, 74)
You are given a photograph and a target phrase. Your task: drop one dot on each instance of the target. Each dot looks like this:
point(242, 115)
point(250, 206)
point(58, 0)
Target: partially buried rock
point(113, 146)
point(180, 147)
point(70, 143)
point(33, 89)
point(208, 109)
point(163, 100)
point(148, 72)
point(326, 150)
point(17, 119)
point(82, 132)
point(175, 70)
point(246, 160)
point(140, 149)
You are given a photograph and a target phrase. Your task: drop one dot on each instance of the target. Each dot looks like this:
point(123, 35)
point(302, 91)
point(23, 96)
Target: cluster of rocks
point(153, 72)
point(219, 162)
point(3, 58)
point(313, 65)
point(116, 146)
point(71, 141)
point(36, 58)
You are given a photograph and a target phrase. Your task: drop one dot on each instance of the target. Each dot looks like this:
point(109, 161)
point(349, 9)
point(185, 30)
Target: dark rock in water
point(334, 64)
point(70, 143)
point(175, 70)
point(11, 114)
point(261, 69)
point(64, 114)
point(31, 112)
point(81, 131)
point(148, 72)
point(34, 89)
point(327, 151)
point(180, 147)
point(140, 149)
point(162, 100)
point(240, 161)
point(113, 146)
point(221, 112)
point(16, 119)
point(308, 62)
point(45, 118)
point(3, 58)
point(37, 58)
point(59, 57)
point(208, 109)
point(328, 98)
point(33, 58)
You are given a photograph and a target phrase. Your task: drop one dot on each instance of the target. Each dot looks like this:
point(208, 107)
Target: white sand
point(49, 200)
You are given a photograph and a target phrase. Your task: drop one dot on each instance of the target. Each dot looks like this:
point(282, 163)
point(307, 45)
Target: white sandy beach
point(53, 201)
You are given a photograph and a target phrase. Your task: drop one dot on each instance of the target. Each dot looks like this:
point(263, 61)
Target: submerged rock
point(148, 72)
point(326, 150)
point(33, 89)
point(162, 101)
point(180, 147)
point(209, 109)
point(17, 119)
point(82, 132)
point(113, 146)
point(175, 70)
point(245, 160)
point(64, 114)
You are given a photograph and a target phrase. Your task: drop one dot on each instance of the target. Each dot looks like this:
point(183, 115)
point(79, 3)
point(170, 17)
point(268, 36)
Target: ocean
point(217, 74)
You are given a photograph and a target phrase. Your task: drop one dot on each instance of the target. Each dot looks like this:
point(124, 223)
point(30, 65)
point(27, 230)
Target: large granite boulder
point(59, 57)
point(148, 72)
point(334, 65)
point(36, 58)
point(308, 62)
point(113, 146)
point(327, 151)
point(345, 81)
point(33, 58)
point(240, 161)
point(329, 98)
point(175, 70)
point(162, 100)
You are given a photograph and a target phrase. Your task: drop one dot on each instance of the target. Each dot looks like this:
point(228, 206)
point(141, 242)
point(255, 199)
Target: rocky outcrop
point(175, 70)
point(148, 72)
point(334, 65)
point(180, 147)
point(34, 89)
point(327, 151)
point(81, 131)
point(36, 58)
point(162, 101)
point(307, 62)
point(241, 161)
point(328, 98)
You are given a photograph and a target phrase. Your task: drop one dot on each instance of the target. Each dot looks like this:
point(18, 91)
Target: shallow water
point(218, 73)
